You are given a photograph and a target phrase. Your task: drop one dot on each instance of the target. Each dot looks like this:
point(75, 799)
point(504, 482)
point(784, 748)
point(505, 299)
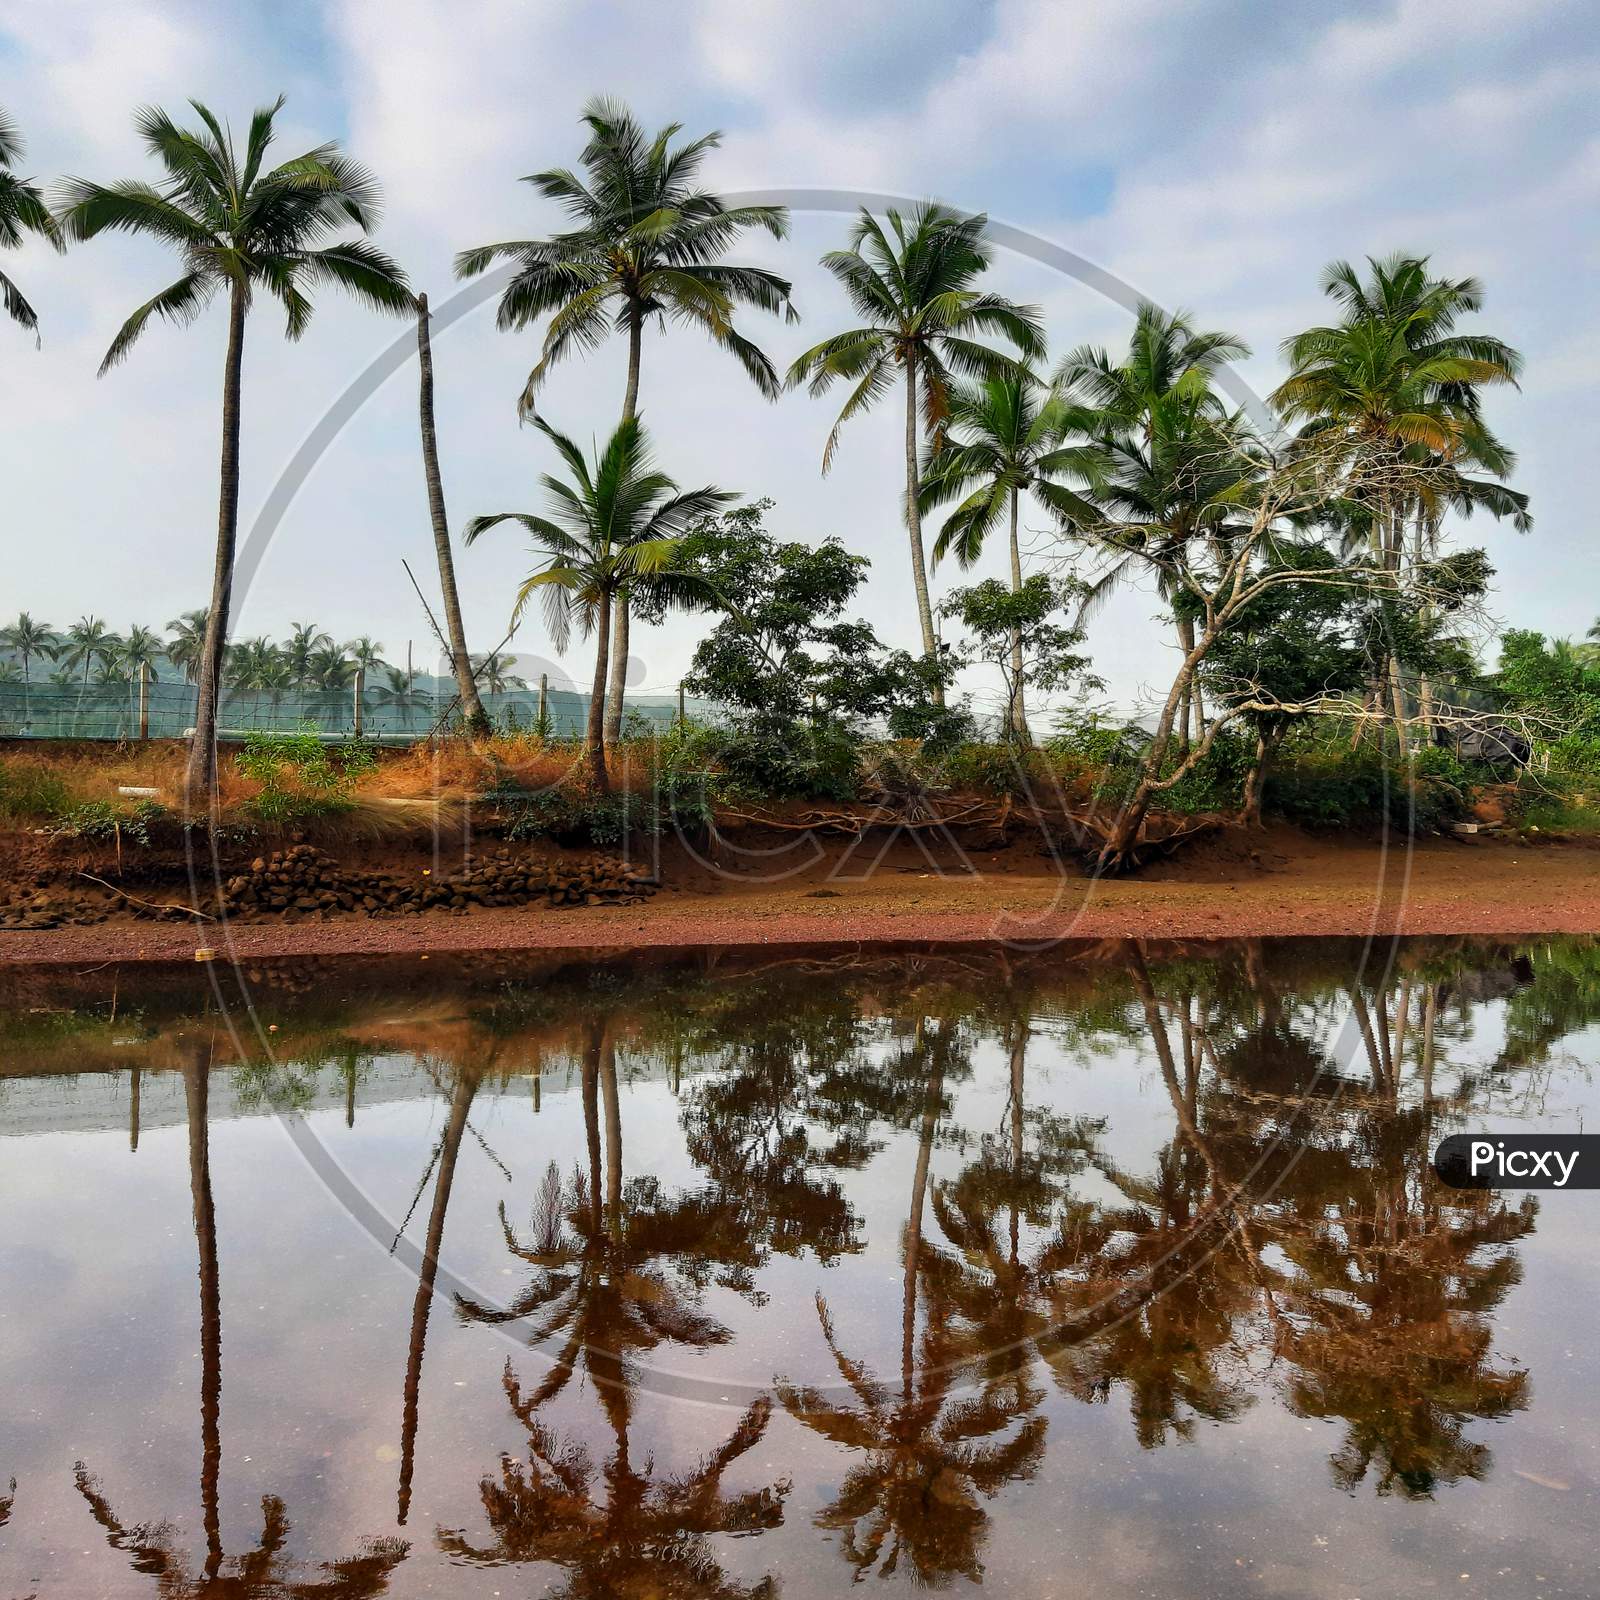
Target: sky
point(1211, 155)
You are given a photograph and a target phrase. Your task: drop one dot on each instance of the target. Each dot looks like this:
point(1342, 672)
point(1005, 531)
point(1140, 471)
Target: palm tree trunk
point(590, 1089)
point(613, 1116)
point(466, 1086)
point(1186, 706)
point(619, 668)
point(620, 623)
point(1018, 713)
point(595, 734)
point(919, 1194)
point(919, 564)
point(461, 663)
point(197, 1093)
point(200, 776)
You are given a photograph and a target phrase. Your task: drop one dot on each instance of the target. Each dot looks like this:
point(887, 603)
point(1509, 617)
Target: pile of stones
point(303, 881)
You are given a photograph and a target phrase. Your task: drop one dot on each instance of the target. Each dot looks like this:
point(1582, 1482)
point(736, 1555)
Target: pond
point(1107, 1272)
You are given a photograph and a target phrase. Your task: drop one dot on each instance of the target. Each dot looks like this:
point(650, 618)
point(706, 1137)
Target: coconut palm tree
point(22, 210)
point(365, 652)
point(89, 642)
point(401, 692)
point(493, 675)
point(305, 639)
point(186, 637)
point(1395, 373)
point(1005, 438)
point(646, 245)
point(1156, 413)
point(139, 651)
point(912, 285)
point(251, 665)
point(29, 638)
point(615, 525)
point(472, 711)
point(242, 228)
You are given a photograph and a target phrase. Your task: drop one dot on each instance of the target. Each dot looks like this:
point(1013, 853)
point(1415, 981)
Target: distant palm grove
point(1308, 574)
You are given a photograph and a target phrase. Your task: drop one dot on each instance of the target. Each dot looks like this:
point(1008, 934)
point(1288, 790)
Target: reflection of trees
point(643, 1535)
point(619, 1269)
point(153, 1548)
point(929, 1451)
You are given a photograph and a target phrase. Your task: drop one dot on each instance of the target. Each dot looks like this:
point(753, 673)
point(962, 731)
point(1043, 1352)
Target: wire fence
point(167, 711)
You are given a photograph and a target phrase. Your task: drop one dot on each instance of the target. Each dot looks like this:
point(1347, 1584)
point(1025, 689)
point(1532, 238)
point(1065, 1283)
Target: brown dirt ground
point(1263, 884)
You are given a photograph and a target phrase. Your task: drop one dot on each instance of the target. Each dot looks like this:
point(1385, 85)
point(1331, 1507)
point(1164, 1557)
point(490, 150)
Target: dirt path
point(1274, 884)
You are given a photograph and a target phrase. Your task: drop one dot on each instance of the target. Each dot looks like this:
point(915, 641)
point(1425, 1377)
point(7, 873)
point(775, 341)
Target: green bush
point(101, 820)
point(301, 775)
point(1322, 783)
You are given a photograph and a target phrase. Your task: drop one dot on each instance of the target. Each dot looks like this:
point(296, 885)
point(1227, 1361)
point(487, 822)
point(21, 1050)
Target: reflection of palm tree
point(929, 1451)
point(152, 1546)
point(648, 1536)
point(599, 1283)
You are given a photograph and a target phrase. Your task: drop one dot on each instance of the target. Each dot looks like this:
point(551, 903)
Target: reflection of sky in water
point(100, 1358)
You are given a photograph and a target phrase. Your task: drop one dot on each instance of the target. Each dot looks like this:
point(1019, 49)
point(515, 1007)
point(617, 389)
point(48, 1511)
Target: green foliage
point(301, 775)
point(1319, 782)
point(104, 822)
point(31, 793)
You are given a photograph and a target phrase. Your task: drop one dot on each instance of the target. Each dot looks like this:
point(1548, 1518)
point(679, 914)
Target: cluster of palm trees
point(1140, 458)
point(309, 666)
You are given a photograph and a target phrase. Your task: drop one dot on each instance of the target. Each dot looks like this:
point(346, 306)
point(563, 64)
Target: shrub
point(302, 776)
point(30, 793)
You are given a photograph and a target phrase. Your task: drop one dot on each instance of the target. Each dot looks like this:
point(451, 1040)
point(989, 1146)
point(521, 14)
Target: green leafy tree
point(646, 246)
point(1015, 629)
point(913, 286)
point(22, 211)
point(615, 525)
point(244, 229)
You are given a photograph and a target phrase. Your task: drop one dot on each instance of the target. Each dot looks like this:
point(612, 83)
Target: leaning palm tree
point(29, 638)
point(646, 245)
point(22, 210)
point(913, 288)
point(616, 525)
point(1005, 439)
point(239, 227)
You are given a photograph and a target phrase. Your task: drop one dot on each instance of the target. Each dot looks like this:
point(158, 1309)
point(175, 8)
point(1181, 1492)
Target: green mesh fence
point(112, 711)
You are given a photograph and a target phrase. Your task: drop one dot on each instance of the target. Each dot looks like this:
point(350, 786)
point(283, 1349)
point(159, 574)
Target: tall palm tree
point(186, 639)
point(616, 525)
point(239, 227)
point(365, 652)
point(22, 210)
point(1004, 439)
point(89, 642)
point(1156, 412)
point(492, 673)
point(1394, 372)
point(305, 639)
point(646, 245)
point(139, 651)
point(913, 288)
point(472, 711)
point(29, 638)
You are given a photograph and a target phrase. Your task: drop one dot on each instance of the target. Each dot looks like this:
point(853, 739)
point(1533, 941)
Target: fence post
point(360, 686)
point(144, 699)
point(544, 700)
point(683, 720)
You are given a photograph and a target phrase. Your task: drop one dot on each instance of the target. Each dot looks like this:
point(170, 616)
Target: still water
point(1110, 1272)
